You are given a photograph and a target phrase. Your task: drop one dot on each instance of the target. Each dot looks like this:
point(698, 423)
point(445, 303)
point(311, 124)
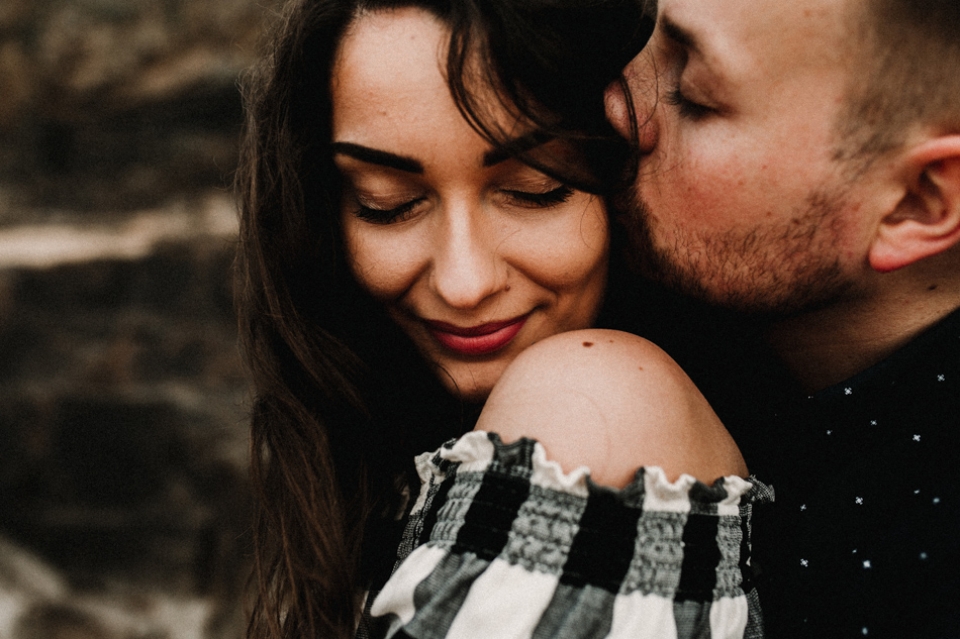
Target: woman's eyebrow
point(376, 156)
point(516, 146)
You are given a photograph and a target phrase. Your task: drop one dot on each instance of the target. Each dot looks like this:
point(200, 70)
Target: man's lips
point(476, 340)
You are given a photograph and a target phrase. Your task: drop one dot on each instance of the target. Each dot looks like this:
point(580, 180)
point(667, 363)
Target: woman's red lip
point(472, 331)
point(476, 340)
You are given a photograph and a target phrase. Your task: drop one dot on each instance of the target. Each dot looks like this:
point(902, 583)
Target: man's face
point(738, 198)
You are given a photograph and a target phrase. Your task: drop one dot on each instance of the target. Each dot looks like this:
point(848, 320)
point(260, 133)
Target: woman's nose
point(467, 268)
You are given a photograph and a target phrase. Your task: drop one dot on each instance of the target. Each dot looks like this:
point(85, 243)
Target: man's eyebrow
point(695, 42)
point(516, 146)
point(678, 34)
point(376, 156)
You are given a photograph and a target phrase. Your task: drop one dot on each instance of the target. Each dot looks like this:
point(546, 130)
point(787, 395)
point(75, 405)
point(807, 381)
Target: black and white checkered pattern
point(502, 543)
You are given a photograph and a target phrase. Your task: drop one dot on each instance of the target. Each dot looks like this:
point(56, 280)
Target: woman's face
point(475, 255)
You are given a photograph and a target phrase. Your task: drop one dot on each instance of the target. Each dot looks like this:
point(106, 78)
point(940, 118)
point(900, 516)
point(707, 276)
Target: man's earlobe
point(926, 221)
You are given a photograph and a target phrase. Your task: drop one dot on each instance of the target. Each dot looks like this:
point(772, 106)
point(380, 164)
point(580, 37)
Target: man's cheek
point(706, 182)
point(691, 194)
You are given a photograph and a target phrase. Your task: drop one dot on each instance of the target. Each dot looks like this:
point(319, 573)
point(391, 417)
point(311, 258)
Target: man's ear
point(926, 221)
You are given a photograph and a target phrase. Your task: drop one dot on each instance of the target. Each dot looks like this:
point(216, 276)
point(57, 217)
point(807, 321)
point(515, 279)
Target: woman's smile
point(474, 341)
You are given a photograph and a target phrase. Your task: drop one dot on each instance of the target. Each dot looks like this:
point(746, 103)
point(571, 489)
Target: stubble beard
point(772, 271)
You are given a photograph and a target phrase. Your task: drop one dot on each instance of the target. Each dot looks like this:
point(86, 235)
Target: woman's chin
point(470, 384)
point(468, 393)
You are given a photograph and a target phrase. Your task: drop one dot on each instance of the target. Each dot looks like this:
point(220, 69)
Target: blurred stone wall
point(123, 497)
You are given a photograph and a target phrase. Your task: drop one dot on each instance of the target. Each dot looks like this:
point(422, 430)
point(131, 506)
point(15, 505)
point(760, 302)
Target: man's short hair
point(907, 73)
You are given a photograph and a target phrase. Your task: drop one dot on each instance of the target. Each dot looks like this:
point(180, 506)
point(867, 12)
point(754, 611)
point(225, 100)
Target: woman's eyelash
point(688, 109)
point(386, 216)
point(553, 197)
point(527, 199)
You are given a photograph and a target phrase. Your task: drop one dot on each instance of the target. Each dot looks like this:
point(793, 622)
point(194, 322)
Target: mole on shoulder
point(587, 344)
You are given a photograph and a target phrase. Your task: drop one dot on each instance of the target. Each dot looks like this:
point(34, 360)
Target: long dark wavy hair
point(343, 401)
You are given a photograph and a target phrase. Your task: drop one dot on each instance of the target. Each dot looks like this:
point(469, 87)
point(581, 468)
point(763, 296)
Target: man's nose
point(466, 267)
point(618, 110)
point(630, 103)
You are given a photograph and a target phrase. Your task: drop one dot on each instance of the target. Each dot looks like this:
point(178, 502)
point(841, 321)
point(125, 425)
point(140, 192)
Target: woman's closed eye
point(539, 199)
point(377, 214)
point(384, 211)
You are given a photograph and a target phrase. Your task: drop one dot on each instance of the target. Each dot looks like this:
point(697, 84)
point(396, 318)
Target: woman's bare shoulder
point(612, 401)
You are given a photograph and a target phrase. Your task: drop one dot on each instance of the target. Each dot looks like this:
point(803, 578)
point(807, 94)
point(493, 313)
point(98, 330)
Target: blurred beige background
point(123, 443)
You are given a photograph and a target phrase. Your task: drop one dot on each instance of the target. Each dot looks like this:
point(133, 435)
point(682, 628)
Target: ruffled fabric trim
point(503, 543)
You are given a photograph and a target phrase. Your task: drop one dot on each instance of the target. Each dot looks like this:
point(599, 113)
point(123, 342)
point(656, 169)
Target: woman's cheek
point(583, 247)
point(572, 251)
point(384, 263)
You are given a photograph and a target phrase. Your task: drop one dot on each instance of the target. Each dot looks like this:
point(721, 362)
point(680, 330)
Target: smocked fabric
point(502, 543)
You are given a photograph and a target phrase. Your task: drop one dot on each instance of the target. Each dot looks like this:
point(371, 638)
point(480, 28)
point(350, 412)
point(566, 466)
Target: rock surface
point(124, 503)
point(113, 103)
